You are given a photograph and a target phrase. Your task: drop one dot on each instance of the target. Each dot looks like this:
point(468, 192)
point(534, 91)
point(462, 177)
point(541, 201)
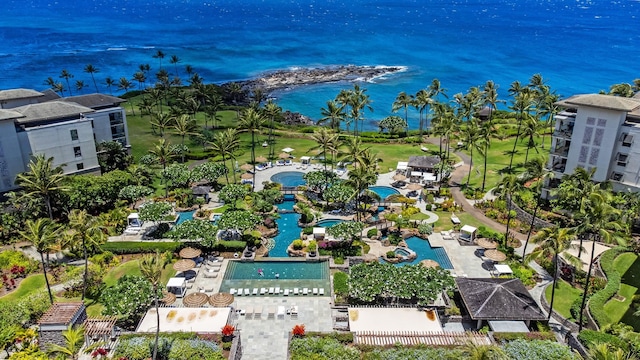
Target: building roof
point(423, 161)
point(13, 94)
point(49, 95)
point(9, 114)
point(601, 101)
point(61, 313)
point(201, 190)
point(498, 299)
point(50, 110)
point(95, 101)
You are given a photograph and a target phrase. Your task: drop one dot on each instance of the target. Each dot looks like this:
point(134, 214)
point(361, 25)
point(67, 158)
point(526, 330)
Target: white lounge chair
point(286, 292)
point(257, 312)
point(271, 290)
point(288, 162)
point(280, 163)
point(255, 291)
point(321, 291)
point(305, 291)
point(263, 291)
point(232, 291)
point(296, 291)
point(247, 292)
point(281, 312)
point(315, 291)
point(277, 291)
point(248, 312)
point(239, 292)
point(208, 289)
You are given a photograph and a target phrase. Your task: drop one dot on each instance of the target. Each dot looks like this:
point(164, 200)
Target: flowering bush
point(298, 331)
point(228, 330)
point(99, 353)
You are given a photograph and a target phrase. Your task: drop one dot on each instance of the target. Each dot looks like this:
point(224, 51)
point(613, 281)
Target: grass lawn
point(419, 216)
point(565, 296)
point(619, 308)
point(27, 286)
point(132, 267)
point(444, 220)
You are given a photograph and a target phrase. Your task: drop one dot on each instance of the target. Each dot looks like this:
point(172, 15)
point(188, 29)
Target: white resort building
point(67, 129)
point(597, 131)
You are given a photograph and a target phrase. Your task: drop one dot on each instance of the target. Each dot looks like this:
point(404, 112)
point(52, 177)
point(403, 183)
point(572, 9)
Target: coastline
point(284, 79)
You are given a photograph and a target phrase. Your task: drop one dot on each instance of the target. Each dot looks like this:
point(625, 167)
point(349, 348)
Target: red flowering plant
point(99, 353)
point(18, 270)
point(227, 332)
point(298, 331)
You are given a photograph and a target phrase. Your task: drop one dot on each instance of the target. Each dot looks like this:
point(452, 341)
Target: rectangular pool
point(291, 274)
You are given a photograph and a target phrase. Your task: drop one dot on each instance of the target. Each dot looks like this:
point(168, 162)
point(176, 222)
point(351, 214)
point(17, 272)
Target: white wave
point(117, 49)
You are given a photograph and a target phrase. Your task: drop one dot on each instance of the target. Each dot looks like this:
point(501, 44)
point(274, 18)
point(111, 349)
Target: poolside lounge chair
point(271, 312)
point(210, 274)
point(305, 291)
point(280, 163)
point(340, 172)
point(247, 292)
point(293, 311)
point(286, 292)
point(315, 291)
point(296, 291)
point(281, 312)
point(208, 289)
point(189, 285)
point(263, 291)
point(288, 162)
point(255, 291)
point(271, 290)
point(239, 291)
point(321, 292)
point(257, 312)
point(277, 290)
point(260, 167)
point(232, 291)
point(248, 312)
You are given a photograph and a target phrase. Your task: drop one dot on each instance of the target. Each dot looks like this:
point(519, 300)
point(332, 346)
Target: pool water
point(328, 222)
point(293, 274)
point(424, 251)
point(403, 252)
point(288, 230)
point(184, 216)
point(289, 178)
point(384, 191)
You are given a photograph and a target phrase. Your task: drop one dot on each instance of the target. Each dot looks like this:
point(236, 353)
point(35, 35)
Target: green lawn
point(27, 286)
point(565, 296)
point(132, 267)
point(619, 308)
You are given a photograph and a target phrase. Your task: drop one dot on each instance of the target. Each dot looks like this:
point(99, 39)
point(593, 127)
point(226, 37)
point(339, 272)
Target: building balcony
point(560, 151)
point(563, 133)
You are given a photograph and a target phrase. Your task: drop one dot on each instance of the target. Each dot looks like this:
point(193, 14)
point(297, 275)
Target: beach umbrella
point(495, 255)
point(190, 253)
point(428, 263)
point(246, 176)
point(414, 186)
point(399, 177)
point(184, 265)
point(168, 298)
point(195, 299)
point(486, 243)
point(247, 167)
point(287, 150)
point(261, 159)
point(220, 299)
point(284, 155)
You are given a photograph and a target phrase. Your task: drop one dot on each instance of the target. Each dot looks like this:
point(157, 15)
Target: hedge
point(135, 247)
point(501, 337)
point(597, 301)
point(589, 338)
point(231, 245)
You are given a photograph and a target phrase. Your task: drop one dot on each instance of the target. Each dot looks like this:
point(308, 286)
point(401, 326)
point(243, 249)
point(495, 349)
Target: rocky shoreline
point(283, 79)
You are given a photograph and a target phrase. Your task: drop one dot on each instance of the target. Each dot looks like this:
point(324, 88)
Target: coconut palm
point(109, 82)
point(522, 103)
point(421, 101)
point(605, 351)
point(360, 179)
point(333, 114)
point(552, 242)
point(403, 101)
point(163, 154)
point(160, 122)
point(343, 98)
point(73, 339)
point(324, 138)
point(473, 140)
point(252, 121)
point(272, 110)
point(80, 85)
point(359, 101)
point(225, 143)
point(151, 268)
point(183, 126)
point(42, 180)
point(536, 169)
point(159, 55)
point(90, 69)
point(507, 186)
point(175, 60)
point(354, 150)
point(124, 84)
point(42, 234)
point(66, 75)
point(141, 78)
point(89, 230)
point(487, 132)
point(530, 131)
point(548, 109)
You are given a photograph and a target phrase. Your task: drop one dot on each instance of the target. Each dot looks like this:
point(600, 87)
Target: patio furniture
point(281, 312)
point(271, 290)
point(296, 291)
point(263, 291)
point(293, 311)
point(305, 291)
point(208, 289)
point(239, 291)
point(286, 292)
point(189, 285)
point(232, 291)
point(255, 291)
point(321, 292)
point(247, 292)
point(277, 290)
point(248, 312)
point(210, 274)
point(271, 312)
point(315, 291)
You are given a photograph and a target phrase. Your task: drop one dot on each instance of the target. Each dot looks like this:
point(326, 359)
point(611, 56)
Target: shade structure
point(284, 155)
point(428, 263)
point(168, 298)
point(399, 177)
point(247, 167)
point(287, 150)
point(495, 255)
point(190, 253)
point(220, 299)
point(184, 265)
point(414, 186)
point(195, 299)
point(261, 159)
point(246, 176)
point(486, 243)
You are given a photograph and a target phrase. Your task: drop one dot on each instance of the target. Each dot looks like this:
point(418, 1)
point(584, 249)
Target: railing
point(388, 338)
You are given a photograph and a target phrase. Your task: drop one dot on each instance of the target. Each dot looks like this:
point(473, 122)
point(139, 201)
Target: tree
point(202, 231)
point(359, 101)
point(474, 351)
point(239, 220)
point(473, 140)
point(487, 132)
point(159, 55)
point(73, 338)
point(508, 185)
point(209, 171)
point(160, 121)
point(110, 83)
point(252, 121)
point(90, 69)
point(354, 150)
point(272, 110)
point(80, 85)
point(231, 193)
point(530, 131)
point(154, 211)
point(42, 234)
point(360, 179)
point(140, 77)
point(163, 154)
point(42, 180)
point(89, 229)
point(551, 243)
point(183, 126)
point(66, 75)
point(151, 268)
point(175, 60)
point(324, 140)
point(333, 114)
point(133, 193)
point(124, 84)
point(605, 351)
point(226, 143)
point(403, 101)
point(522, 102)
point(536, 169)
point(113, 156)
point(128, 299)
point(394, 124)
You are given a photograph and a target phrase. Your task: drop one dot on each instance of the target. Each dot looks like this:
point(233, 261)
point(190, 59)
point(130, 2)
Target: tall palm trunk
point(155, 300)
point(484, 173)
point(470, 165)
point(86, 267)
point(226, 173)
point(553, 290)
point(46, 279)
point(515, 143)
point(253, 160)
point(506, 234)
point(535, 212)
point(48, 202)
point(586, 284)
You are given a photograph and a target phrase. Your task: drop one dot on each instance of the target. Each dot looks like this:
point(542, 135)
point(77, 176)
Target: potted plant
point(227, 332)
point(312, 247)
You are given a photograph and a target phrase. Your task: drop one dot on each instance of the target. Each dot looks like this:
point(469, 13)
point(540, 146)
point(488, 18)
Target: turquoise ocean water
point(577, 45)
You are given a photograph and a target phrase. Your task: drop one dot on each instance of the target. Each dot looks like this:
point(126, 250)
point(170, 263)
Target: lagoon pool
point(289, 178)
point(288, 230)
point(384, 191)
point(328, 222)
point(424, 251)
point(292, 274)
point(184, 216)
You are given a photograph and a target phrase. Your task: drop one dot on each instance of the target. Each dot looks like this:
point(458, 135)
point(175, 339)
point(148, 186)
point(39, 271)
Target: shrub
point(525, 274)
point(390, 255)
point(226, 345)
point(501, 337)
point(313, 246)
point(297, 244)
point(298, 331)
point(338, 260)
point(425, 229)
point(372, 232)
point(231, 245)
point(538, 350)
point(597, 301)
point(307, 230)
point(589, 338)
point(134, 247)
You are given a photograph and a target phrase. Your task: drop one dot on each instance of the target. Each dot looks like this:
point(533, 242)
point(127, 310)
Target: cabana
point(318, 233)
point(177, 286)
point(468, 233)
point(201, 191)
point(402, 167)
point(305, 160)
point(133, 221)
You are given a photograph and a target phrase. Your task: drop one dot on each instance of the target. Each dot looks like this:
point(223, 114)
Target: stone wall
point(525, 217)
point(235, 353)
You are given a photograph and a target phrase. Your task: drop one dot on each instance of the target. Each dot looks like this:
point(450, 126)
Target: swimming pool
point(384, 191)
point(288, 230)
point(292, 274)
point(184, 216)
point(424, 251)
point(328, 222)
point(289, 178)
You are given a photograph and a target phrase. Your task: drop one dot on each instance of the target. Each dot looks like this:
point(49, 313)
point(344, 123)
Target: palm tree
point(42, 234)
point(358, 101)
point(175, 60)
point(88, 229)
point(487, 132)
point(163, 153)
point(360, 179)
point(421, 101)
point(225, 143)
point(606, 351)
point(90, 69)
point(508, 185)
point(552, 242)
point(354, 150)
point(323, 139)
point(160, 121)
point(124, 84)
point(110, 83)
point(521, 104)
point(343, 98)
point(141, 78)
point(159, 55)
point(402, 101)
point(333, 113)
point(536, 169)
point(529, 131)
point(252, 121)
point(73, 338)
point(183, 126)
point(473, 140)
point(64, 74)
point(151, 268)
point(80, 85)
point(42, 180)
point(272, 110)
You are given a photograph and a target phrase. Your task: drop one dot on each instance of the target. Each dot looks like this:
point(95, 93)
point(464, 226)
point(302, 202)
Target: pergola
point(100, 329)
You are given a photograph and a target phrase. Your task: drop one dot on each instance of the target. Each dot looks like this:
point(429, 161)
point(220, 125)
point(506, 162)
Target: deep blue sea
point(577, 45)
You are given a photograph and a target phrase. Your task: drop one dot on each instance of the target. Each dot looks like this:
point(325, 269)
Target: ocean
point(578, 46)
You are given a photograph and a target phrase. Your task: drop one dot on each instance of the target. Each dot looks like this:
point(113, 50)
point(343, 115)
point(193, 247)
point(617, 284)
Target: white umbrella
point(287, 150)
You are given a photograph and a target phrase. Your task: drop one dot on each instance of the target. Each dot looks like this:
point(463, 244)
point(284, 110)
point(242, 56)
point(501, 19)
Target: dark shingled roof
point(61, 313)
point(423, 161)
point(49, 95)
point(498, 299)
point(50, 110)
point(201, 190)
point(14, 94)
point(95, 101)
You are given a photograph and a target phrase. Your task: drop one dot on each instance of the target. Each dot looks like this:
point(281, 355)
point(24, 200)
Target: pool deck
point(266, 174)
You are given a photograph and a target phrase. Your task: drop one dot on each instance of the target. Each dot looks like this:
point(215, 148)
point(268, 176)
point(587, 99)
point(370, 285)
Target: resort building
point(67, 129)
point(597, 131)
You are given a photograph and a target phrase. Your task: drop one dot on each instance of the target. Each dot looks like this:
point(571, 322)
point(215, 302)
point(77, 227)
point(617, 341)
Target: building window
point(584, 151)
point(79, 166)
point(77, 151)
point(597, 140)
point(586, 139)
point(591, 121)
point(621, 159)
point(115, 118)
point(627, 140)
point(616, 176)
point(74, 134)
point(602, 122)
point(593, 159)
